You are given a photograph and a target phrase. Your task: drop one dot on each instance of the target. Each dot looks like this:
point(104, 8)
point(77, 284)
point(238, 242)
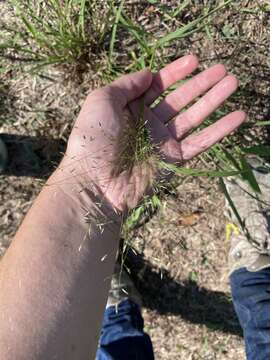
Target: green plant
point(222, 160)
point(226, 158)
point(56, 32)
point(149, 50)
point(73, 33)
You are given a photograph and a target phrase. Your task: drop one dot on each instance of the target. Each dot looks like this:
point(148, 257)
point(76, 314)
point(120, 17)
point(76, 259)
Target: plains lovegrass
point(56, 32)
point(227, 158)
point(78, 33)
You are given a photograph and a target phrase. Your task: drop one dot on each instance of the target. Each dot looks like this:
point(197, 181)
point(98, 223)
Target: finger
point(193, 88)
point(169, 75)
point(130, 87)
point(197, 143)
point(194, 116)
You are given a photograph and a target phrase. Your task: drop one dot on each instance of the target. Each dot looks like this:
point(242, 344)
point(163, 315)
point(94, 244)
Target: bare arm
point(55, 276)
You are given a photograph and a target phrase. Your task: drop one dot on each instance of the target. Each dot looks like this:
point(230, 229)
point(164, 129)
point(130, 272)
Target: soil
point(181, 266)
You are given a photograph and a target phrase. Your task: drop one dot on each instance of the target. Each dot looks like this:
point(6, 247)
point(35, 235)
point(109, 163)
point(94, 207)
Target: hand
point(102, 135)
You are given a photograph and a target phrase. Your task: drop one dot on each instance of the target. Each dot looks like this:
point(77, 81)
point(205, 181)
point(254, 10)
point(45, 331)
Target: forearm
point(54, 279)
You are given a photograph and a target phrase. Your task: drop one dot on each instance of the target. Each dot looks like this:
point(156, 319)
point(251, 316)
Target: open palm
point(93, 152)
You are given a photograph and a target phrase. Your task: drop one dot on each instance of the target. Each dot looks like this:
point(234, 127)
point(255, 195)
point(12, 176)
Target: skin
point(55, 276)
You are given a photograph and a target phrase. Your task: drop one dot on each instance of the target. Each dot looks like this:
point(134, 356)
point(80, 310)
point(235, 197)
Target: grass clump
point(135, 146)
point(78, 34)
point(71, 33)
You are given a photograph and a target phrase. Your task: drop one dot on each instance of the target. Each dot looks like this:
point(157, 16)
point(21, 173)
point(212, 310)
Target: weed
point(56, 32)
point(149, 50)
point(73, 33)
point(227, 157)
point(135, 146)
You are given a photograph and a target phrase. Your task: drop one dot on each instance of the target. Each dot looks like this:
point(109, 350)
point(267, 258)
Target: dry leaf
point(189, 219)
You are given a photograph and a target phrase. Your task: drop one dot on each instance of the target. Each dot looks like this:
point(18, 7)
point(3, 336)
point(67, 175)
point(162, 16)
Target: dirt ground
point(181, 266)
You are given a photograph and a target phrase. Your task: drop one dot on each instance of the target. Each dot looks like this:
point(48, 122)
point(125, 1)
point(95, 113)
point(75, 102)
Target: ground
point(181, 263)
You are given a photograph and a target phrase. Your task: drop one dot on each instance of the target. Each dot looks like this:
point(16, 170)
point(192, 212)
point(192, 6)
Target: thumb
point(132, 86)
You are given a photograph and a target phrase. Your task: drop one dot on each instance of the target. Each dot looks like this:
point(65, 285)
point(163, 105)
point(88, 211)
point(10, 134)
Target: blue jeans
point(251, 298)
point(123, 338)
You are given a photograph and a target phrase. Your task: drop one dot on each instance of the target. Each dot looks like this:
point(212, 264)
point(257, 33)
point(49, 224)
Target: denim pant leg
point(122, 336)
point(251, 298)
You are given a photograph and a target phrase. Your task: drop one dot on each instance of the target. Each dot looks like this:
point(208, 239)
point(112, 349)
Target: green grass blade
point(197, 172)
point(259, 150)
point(136, 31)
point(190, 27)
point(82, 18)
point(231, 158)
point(114, 29)
point(231, 203)
point(248, 175)
point(180, 8)
point(31, 29)
point(263, 123)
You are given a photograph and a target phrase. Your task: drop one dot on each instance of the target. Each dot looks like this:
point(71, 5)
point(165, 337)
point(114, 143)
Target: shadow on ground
point(160, 292)
point(32, 156)
point(37, 156)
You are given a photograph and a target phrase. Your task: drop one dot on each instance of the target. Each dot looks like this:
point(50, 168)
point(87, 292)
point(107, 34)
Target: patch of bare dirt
point(181, 271)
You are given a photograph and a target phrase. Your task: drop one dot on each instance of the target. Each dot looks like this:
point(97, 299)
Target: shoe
point(3, 156)
point(122, 288)
point(250, 243)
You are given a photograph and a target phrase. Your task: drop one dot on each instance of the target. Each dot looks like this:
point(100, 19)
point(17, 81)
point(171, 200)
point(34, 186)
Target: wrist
point(85, 199)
